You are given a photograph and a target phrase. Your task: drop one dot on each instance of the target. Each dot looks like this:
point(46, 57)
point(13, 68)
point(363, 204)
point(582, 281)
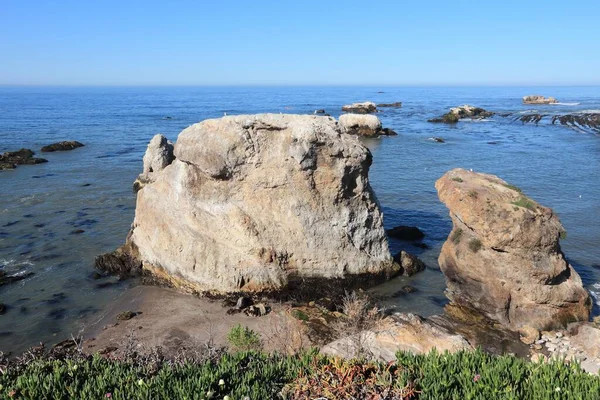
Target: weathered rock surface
point(536, 99)
point(363, 125)
point(10, 159)
point(255, 202)
point(503, 257)
point(158, 155)
point(462, 112)
point(406, 332)
point(410, 264)
point(62, 146)
point(360, 108)
point(397, 104)
point(576, 121)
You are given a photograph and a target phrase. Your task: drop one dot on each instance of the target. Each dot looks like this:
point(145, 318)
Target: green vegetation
point(472, 194)
point(563, 234)
point(456, 235)
point(525, 203)
point(463, 375)
point(457, 179)
point(243, 339)
point(450, 118)
point(300, 315)
point(475, 245)
point(513, 187)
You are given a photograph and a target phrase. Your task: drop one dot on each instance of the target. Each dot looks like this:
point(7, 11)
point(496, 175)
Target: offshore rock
point(397, 104)
point(62, 146)
point(10, 159)
point(410, 264)
point(364, 125)
point(257, 202)
point(367, 107)
point(503, 257)
point(158, 155)
point(536, 99)
point(462, 112)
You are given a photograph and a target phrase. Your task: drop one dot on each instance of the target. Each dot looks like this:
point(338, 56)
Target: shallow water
point(91, 188)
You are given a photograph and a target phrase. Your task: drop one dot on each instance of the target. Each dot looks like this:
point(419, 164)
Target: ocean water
point(91, 188)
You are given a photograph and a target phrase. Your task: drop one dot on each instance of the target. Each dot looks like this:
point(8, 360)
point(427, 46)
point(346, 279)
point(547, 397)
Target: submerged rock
point(158, 156)
point(10, 159)
point(410, 264)
point(364, 125)
point(391, 105)
point(399, 332)
point(408, 233)
point(257, 202)
point(62, 146)
point(367, 107)
point(536, 99)
point(503, 257)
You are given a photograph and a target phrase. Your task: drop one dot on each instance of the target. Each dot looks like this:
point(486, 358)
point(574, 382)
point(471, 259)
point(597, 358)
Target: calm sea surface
point(90, 188)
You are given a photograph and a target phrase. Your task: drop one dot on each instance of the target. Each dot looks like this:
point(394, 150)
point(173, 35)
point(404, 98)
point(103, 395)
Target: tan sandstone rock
point(158, 155)
point(361, 124)
point(360, 108)
point(406, 332)
point(503, 257)
point(536, 99)
point(253, 202)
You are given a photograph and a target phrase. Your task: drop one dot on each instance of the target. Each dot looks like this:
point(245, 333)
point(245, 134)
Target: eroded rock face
point(360, 108)
point(254, 202)
point(503, 257)
point(536, 99)
point(158, 155)
point(400, 332)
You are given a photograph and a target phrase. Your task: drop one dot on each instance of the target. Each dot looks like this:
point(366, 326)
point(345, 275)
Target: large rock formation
point(503, 257)
point(360, 108)
point(364, 125)
point(255, 202)
point(536, 99)
point(399, 332)
point(158, 155)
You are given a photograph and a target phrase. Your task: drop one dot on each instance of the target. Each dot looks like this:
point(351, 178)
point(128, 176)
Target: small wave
point(566, 104)
point(588, 112)
point(596, 293)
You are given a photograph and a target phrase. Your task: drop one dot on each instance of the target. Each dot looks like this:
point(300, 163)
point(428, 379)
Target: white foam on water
point(566, 104)
point(596, 293)
point(588, 112)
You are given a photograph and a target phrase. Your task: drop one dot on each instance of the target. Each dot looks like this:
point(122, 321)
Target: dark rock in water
point(28, 216)
point(535, 118)
point(409, 233)
point(122, 262)
point(96, 275)
point(387, 132)
point(406, 289)
point(445, 119)
point(360, 108)
point(11, 159)
point(11, 223)
point(423, 246)
point(396, 104)
point(2, 308)
point(410, 264)
point(77, 232)
point(320, 111)
point(126, 315)
point(86, 185)
point(585, 120)
point(492, 142)
point(6, 279)
point(6, 333)
point(39, 225)
point(62, 146)
point(462, 112)
point(438, 140)
point(167, 117)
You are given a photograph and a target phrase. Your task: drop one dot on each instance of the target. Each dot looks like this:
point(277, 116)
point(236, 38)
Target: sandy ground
point(174, 320)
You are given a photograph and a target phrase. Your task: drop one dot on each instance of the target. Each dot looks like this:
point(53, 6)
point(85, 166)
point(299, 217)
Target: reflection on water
point(56, 217)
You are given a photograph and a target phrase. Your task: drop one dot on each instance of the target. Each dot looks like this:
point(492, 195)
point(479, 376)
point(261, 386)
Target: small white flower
point(221, 382)
point(226, 398)
point(557, 389)
point(74, 367)
point(210, 394)
point(140, 382)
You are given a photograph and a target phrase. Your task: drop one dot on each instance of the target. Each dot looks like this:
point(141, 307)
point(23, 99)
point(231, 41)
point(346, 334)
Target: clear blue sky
point(130, 42)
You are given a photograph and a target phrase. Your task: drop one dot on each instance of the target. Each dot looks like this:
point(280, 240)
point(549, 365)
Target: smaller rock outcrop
point(410, 264)
point(536, 99)
point(462, 112)
point(503, 258)
point(158, 156)
point(397, 104)
point(11, 159)
point(400, 332)
point(367, 107)
point(62, 146)
point(364, 125)
point(408, 233)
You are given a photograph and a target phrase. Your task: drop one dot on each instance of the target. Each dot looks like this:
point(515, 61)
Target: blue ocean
point(90, 188)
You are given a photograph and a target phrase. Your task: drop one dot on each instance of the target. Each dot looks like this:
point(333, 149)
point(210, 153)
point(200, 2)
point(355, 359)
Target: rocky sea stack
point(364, 125)
point(463, 112)
point(255, 202)
point(503, 258)
point(536, 99)
point(367, 107)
